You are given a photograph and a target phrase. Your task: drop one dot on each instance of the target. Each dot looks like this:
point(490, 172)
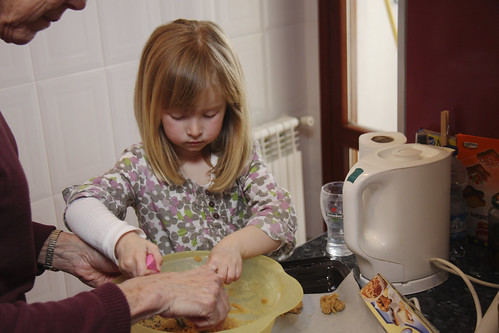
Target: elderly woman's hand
point(197, 294)
point(76, 257)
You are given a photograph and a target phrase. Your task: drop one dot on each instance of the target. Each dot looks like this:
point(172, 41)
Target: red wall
point(453, 64)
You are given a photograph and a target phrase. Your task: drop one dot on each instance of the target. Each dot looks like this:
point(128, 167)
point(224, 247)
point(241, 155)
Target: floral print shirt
point(190, 217)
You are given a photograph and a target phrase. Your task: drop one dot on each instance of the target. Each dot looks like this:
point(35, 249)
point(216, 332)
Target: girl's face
point(192, 129)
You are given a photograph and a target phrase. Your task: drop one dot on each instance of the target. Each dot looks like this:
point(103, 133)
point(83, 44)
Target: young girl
point(197, 181)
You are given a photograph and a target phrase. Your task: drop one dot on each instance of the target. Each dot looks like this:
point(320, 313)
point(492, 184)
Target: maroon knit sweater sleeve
point(103, 309)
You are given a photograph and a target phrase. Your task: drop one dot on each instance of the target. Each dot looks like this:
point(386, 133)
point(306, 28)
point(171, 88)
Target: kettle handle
point(353, 211)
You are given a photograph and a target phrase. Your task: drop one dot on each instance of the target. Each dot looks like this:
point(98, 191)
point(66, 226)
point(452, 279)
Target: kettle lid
point(408, 155)
point(405, 153)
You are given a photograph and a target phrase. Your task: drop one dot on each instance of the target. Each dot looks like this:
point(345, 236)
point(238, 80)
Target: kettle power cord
point(451, 268)
point(437, 261)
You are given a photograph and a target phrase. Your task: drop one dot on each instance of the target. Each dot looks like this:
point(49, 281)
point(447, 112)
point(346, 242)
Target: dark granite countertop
point(449, 306)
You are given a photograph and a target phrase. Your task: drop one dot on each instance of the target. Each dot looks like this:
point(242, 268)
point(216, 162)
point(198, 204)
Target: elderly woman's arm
point(196, 294)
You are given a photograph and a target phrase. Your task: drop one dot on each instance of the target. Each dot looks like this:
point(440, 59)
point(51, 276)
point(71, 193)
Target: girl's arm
point(248, 242)
point(251, 241)
point(119, 241)
point(270, 206)
point(270, 229)
point(99, 220)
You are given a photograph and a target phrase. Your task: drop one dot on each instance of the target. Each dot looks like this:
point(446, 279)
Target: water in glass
point(332, 212)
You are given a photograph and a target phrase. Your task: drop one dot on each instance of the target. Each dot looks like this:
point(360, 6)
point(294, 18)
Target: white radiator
point(279, 144)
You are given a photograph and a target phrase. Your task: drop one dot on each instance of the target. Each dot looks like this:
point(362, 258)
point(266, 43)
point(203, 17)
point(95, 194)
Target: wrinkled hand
point(197, 294)
point(76, 257)
point(94, 269)
point(200, 296)
point(131, 251)
point(226, 257)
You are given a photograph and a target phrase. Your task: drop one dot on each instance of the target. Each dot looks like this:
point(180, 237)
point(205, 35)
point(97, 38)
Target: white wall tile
point(239, 17)
point(121, 81)
point(20, 108)
point(285, 69)
point(278, 13)
point(76, 118)
point(126, 28)
point(71, 45)
point(50, 286)
point(44, 211)
point(15, 65)
point(250, 51)
point(188, 9)
point(310, 138)
point(60, 206)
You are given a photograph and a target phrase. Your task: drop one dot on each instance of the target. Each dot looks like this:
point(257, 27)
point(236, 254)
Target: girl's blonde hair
point(179, 62)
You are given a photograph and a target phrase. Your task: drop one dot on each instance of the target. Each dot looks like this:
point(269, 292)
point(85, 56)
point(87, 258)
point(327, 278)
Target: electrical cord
point(415, 302)
point(451, 268)
point(471, 278)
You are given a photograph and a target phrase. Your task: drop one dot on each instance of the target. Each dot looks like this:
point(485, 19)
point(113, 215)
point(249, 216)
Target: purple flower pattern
point(190, 217)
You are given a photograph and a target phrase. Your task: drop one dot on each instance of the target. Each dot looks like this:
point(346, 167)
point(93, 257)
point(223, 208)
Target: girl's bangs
point(186, 80)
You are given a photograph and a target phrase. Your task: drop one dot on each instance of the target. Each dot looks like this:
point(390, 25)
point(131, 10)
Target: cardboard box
point(394, 312)
point(480, 156)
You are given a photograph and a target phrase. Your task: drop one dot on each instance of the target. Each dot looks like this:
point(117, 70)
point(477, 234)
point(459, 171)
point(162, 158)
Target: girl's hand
point(226, 257)
point(131, 251)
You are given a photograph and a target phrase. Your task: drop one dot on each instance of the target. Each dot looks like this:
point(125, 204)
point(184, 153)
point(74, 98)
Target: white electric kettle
point(396, 204)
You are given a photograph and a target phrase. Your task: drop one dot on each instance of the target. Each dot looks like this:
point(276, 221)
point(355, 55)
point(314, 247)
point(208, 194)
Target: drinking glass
point(332, 212)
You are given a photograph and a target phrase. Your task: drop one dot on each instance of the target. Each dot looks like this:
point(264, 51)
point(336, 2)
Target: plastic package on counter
point(480, 156)
point(432, 138)
point(392, 309)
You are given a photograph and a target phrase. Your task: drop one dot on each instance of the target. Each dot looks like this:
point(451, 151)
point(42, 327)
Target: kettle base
point(414, 286)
